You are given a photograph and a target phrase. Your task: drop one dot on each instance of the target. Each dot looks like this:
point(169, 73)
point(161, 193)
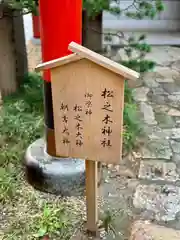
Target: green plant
point(132, 127)
point(138, 9)
point(7, 184)
point(53, 221)
point(22, 113)
point(21, 122)
point(136, 50)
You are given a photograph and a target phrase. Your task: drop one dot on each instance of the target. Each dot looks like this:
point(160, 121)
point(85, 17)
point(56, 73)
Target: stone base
point(65, 177)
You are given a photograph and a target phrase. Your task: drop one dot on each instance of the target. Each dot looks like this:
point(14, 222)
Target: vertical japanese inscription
point(79, 127)
point(107, 120)
point(88, 103)
point(65, 131)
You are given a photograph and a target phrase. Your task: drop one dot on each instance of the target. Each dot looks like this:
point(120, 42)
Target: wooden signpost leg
point(91, 195)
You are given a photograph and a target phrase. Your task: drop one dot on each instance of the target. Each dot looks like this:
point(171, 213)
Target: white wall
point(169, 20)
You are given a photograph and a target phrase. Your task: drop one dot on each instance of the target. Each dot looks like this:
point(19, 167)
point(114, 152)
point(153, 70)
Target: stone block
point(148, 113)
point(162, 200)
point(157, 149)
point(154, 170)
point(140, 94)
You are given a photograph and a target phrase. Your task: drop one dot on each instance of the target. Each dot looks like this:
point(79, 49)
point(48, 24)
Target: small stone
point(144, 230)
point(140, 94)
point(175, 146)
point(160, 134)
point(176, 65)
point(128, 173)
point(150, 79)
point(174, 112)
point(174, 101)
point(163, 200)
point(161, 108)
point(177, 123)
point(132, 183)
point(164, 80)
point(158, 99)
point(106, 181)
point(157, 95)
point(171, 88)
point(110, 166)
point(164, 120)
point(159, 55)
point(148, 113)
point(176, 159)
point(136, 83)
point(137, 155)
point(112, 195)
point(175, 134)
point(155, 170)
point(159, 91)
point(157, 149)
point(173, 53)
point(167, 74)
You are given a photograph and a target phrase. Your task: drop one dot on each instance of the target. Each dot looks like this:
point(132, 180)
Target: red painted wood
point(36, 27)
point(60, 23)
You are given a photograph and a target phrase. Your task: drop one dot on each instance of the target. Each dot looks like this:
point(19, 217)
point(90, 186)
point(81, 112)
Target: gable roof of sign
point(81, 52)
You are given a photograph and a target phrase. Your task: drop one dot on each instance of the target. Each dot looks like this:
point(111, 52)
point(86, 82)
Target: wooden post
point(91, 195)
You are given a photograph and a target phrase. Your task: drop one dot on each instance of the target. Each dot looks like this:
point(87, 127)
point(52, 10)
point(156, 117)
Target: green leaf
point(142, 37)
point(2, 172)
point(42, 231)
point(46, 212)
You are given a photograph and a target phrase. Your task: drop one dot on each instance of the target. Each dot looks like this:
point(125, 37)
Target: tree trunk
point(20, 47)
point(92, 32)
point(7, 55)
point(12, 51)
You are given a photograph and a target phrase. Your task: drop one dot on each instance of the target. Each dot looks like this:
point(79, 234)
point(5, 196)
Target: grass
point(28, 214)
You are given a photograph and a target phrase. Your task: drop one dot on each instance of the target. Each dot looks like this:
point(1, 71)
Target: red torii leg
point(60, 23)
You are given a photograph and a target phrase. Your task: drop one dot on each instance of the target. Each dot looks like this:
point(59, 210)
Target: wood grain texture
point(81, 52)
point(58, 62)
point(91, 195)
point(103, 61)
point(70, 83)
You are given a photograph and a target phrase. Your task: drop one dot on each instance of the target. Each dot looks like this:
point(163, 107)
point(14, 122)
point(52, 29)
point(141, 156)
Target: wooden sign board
point(88, 100)
point(88, 111)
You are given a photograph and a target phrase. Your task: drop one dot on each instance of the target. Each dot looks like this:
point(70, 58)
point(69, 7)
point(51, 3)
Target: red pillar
point(60, 23)
point(36, 27)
